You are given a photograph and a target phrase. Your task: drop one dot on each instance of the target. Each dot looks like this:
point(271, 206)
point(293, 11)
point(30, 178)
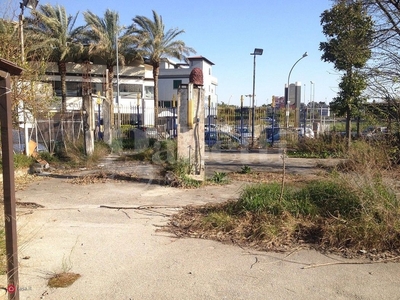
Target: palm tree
point(154, 44)
point(102, 34)
point(55, 32)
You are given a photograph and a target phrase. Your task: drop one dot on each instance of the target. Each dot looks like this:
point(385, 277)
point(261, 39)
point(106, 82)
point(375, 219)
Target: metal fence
point(50, 130)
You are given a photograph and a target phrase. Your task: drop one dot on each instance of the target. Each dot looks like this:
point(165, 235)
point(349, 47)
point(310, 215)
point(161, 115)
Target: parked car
point(223, 140)
point(375, 133)
point(308, 134)
point(277, 134)
point(208, 127)
point(267, 132)
point(243, 131)
point(269, 120)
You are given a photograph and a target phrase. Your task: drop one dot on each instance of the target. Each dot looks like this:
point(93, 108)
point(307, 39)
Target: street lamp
point(288, 89)
point(31, 4)
point(305, 112)
point(312, 98)
point(257, 51)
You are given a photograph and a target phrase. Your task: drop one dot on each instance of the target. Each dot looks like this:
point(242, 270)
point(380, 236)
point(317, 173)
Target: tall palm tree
point(103, 36)
point(55, 31)
point(154, 44)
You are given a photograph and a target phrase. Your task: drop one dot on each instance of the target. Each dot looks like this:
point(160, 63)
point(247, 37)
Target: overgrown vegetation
point(73, 154)
point(219, 178)
point(70, 156)
point(329, 145)
point(353, 210)
point(245, 169)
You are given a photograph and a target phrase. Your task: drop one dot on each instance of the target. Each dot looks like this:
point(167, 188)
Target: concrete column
point(190, 128)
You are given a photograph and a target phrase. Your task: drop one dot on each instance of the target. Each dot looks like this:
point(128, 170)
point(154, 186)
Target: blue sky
point(226, 32)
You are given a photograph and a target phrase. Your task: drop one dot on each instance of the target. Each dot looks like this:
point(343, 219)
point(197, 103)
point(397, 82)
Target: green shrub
point(220, 178)
point(22, 161)
point(245, 169)
point(260, 198)
point(331, 198)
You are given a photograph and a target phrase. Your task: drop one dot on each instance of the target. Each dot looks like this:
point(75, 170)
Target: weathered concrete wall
point(190, 139)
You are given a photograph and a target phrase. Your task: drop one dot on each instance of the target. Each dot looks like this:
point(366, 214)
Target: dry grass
point(62, 280)
point(353, 211)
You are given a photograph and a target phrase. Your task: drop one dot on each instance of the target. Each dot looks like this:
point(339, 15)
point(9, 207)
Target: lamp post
point(312, 98)
point(305, 112)
point(31, 4)
point(117, 102)
point(257, 51)
point(287, 92)
point(241, 118)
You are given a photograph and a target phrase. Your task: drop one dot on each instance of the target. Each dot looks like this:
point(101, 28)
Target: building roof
point(200, 58)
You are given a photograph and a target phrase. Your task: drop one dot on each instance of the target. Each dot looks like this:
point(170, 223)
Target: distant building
point(174, 74)
point(136, 84)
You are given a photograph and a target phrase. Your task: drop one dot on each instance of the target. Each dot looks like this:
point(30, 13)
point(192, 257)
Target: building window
point(149, 92)
point(74, 89)
point(177, 83)
point(128, 90)
point(97, 87)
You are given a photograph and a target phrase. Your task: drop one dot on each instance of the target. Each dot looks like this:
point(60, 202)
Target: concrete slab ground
point(121, 253)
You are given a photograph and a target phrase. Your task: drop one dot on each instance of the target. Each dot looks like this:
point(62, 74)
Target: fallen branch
point(144, 208)
point(351, 263)
point(137, 207)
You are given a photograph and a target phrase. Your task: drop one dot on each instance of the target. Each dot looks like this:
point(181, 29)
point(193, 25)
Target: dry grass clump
point(62, 280)
point(367, 158)
point(343, 213)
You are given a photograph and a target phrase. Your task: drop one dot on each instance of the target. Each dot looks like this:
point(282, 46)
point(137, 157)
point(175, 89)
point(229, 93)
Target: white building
point(136, 85)
point(173, 74)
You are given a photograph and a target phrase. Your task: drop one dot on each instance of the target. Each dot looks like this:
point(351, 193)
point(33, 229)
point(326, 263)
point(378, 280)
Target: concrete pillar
point(88, 124)
point(190, 128)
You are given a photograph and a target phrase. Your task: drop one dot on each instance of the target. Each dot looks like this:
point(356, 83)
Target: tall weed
point(356, 212)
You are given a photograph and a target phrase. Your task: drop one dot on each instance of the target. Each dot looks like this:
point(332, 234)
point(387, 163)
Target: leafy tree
point(384, 69)
point(154, 44)
point(54, 31)
point(34, 95)
point(349, 30)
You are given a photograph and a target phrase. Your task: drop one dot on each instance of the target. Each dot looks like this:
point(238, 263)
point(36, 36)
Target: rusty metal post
point(9, 188)
point(6, 68)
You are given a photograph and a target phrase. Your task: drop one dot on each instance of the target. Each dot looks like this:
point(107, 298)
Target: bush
point(331, 198)
point(343, 211)
point(73, 154)
point(261, 198)
point(220, 178)
point(326, 145)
